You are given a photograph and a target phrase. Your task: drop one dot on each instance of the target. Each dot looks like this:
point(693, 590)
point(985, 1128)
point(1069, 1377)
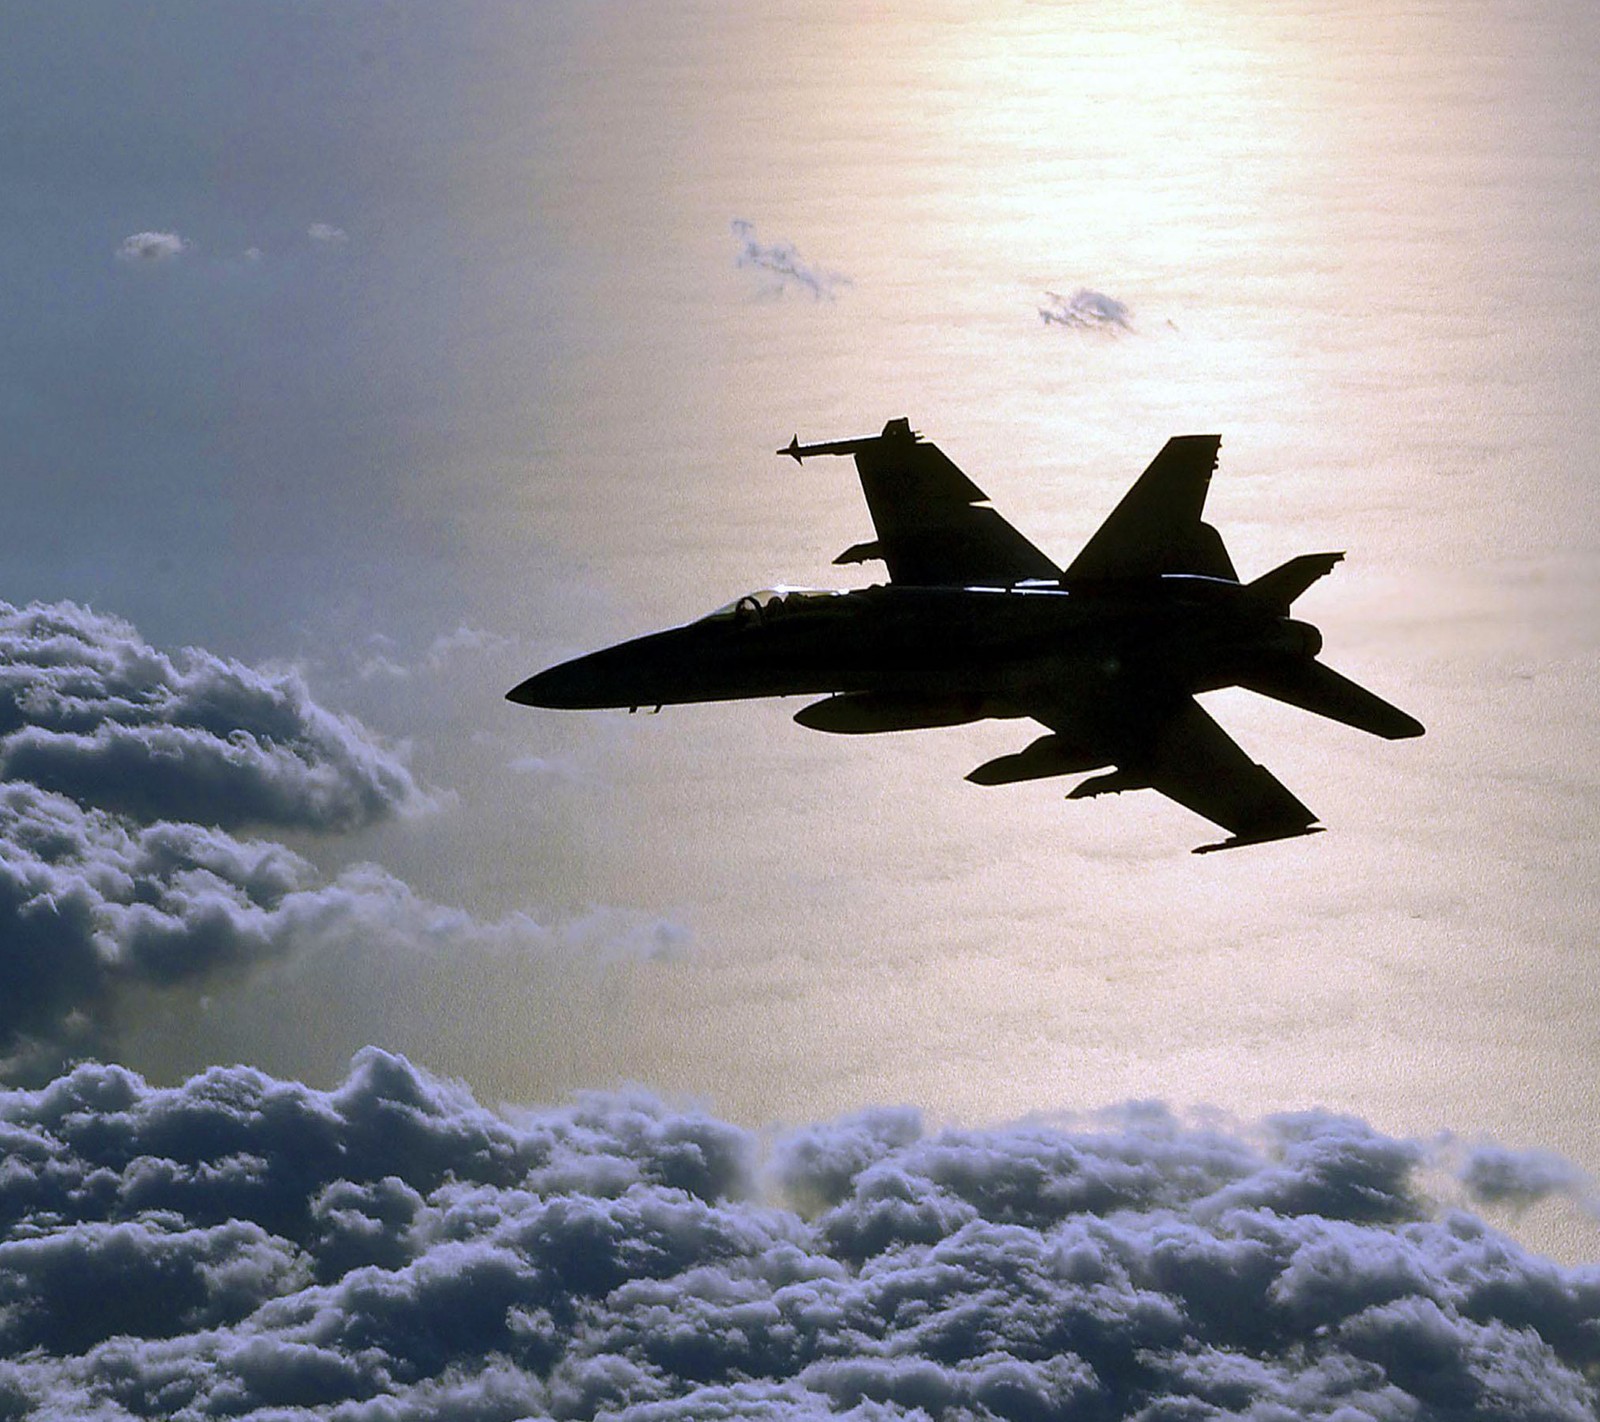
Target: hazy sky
point(380, 355)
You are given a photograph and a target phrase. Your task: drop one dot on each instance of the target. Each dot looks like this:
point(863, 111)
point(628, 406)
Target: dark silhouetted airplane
point(976, 622)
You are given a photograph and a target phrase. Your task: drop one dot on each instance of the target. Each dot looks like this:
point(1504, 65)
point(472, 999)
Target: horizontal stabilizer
point(1284, 584)
point(1319, 689)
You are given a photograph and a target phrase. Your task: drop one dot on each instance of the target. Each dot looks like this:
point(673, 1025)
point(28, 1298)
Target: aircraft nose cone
point(606, 678)
point(553, 688)
point(525, 693)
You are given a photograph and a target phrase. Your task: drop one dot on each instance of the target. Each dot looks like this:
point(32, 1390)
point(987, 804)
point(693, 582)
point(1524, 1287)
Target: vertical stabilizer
point(1157, 527)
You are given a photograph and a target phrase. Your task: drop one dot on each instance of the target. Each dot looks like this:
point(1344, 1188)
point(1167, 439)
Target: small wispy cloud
point(782, 267)
point(327, 234)
point(542, 766)
point(1498, 1175)
point(440, 653)
point(1086, 310)
point(149, 248)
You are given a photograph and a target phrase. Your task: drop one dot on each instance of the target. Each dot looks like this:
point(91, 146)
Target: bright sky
point(413, 349)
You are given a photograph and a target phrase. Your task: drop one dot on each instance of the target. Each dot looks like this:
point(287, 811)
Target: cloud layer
point(91, 903)
point(123, 775)
point(246, 1246)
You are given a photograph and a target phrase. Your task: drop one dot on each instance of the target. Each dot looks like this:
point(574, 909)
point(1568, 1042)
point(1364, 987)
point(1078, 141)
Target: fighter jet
point(975, 621)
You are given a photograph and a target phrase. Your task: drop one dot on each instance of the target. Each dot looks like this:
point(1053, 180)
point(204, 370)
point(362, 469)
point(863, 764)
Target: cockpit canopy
point(766, 602)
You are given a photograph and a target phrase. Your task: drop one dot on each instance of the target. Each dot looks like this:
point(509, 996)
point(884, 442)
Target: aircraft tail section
point(1285, 583)
point(1313, 687)
point(1157, 528)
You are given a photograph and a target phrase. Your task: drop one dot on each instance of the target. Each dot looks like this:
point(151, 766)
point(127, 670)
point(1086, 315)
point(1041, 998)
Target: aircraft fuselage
point(991, 650)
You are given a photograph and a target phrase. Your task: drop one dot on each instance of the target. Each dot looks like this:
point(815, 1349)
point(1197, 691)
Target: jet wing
point(935, 526)
point(1157, 527)
point(1173, 746)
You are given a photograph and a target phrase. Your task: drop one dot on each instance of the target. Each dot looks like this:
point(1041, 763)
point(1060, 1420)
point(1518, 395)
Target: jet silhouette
point(976, 622)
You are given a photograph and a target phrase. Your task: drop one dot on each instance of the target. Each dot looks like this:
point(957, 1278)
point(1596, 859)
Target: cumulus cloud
point(123, 773)
point(327, 234)
point(391, 1249)
point(152, 247)
point(91, 902)
point(91, 710)
point(1086, 310)
point(782, 267)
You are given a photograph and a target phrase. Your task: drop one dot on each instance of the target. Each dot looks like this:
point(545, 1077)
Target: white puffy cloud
point(89, 709)
point(123, 772)
point(152, 247)
point(782, 267)
point(1086, 310)
point(391, 1249)
point(91, 902)
point(327, 234)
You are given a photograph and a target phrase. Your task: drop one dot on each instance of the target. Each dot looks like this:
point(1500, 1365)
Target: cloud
point(1086, 310)
point(441, 653)
point(89, 709)
point(152, 247)
point(327, 234)
point(91, 903)
point(782, 265)
point(390, 1248)
point(123, 773)
point(1496, 1175)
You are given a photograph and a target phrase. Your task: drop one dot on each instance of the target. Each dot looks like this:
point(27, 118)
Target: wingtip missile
point(895, 430)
